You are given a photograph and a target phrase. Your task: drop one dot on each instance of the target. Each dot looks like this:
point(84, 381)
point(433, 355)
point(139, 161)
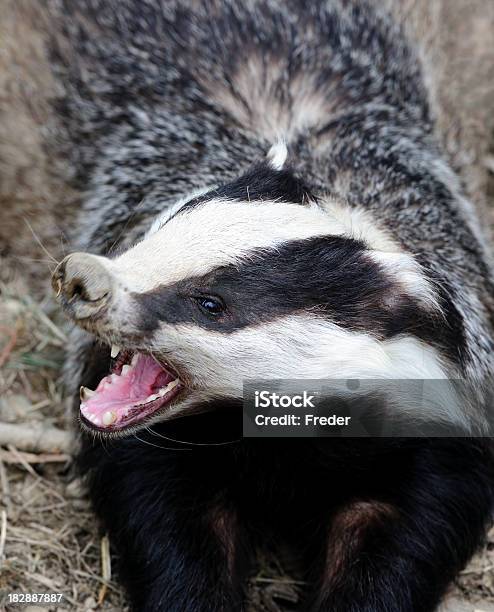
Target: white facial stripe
point(215, 234)
point(407, 273)
point(360, 225)
point(301, 346)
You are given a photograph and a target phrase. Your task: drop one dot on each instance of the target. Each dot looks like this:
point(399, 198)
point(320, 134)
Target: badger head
point(256, 279)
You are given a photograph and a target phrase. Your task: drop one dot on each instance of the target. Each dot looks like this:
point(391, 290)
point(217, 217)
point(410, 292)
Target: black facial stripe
point(331, 276)
point(260, 182)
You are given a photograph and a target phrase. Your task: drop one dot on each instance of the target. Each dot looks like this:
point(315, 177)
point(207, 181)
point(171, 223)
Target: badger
point(264, 194)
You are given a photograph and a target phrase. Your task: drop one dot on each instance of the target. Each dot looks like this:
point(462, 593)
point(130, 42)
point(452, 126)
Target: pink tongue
point(121, 393)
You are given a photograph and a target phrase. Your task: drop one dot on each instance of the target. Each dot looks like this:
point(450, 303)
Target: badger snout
point(83, 284)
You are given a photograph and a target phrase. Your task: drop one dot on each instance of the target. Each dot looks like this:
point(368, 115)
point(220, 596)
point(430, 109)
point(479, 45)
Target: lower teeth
point(109, 417)
point(151, 398)
point(170, 386)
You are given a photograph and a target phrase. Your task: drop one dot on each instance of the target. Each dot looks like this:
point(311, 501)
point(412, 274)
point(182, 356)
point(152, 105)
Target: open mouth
point(137, 387)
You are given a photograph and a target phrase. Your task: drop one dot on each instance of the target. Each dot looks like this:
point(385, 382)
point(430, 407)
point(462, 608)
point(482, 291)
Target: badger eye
point(212, 306)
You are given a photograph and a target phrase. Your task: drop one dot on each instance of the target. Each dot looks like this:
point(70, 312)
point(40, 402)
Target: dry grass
point(50, 538)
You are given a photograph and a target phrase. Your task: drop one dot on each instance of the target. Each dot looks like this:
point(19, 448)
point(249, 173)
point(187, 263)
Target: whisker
point(39, 259)
point(155, 433)
point(39, 242)
point(158, 446)
point(21, 258)
point(47, 262)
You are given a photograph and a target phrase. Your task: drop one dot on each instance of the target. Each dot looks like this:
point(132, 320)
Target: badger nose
point(83, 283)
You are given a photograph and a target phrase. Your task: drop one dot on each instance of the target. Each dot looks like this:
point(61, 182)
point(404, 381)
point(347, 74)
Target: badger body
point(265, 195)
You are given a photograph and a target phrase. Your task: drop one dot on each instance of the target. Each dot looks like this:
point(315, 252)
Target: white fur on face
point(214, 234)
point(302, 347)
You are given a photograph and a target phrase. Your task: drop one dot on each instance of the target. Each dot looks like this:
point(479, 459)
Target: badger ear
point(277, 155)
